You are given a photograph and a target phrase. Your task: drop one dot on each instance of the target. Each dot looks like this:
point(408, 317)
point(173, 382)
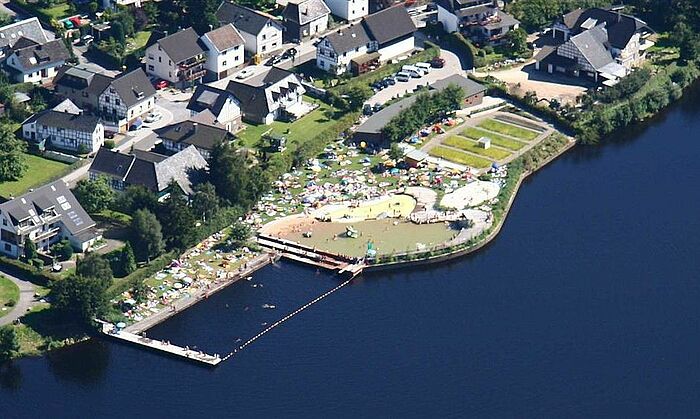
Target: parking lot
point(452, 66)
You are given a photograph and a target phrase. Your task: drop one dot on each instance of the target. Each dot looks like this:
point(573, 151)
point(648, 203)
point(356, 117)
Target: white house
point(272, 94)
point(178, 58)
point(126, 99)
point(29, 28)
point(349, 10)
point(225, 47)
point(379, 38)
point(31, 62)
point(45, 216)
point(305, 18)
point(261, 32)
point(223, 106)
point(481, 20)
point(204, 138)
point(65, 129)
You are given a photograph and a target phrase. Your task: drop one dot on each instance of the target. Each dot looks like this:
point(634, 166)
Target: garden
point(40, 171)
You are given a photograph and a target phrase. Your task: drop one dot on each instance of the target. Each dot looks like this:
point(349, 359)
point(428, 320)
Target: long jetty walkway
point(311, 256)
point(160, 345)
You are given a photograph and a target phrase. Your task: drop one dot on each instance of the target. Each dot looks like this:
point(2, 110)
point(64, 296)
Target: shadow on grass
point(54, 327)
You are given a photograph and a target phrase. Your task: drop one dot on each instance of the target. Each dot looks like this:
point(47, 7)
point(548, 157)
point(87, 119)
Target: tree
point(205, 202)
point(119, 32)
point(147, 237)
point(9, 342)
point(79, 298)
point(236, 182)
point(30, 251)
point(178, 220)
point(94, 195)
point(96, 268)
point(240, 233)
point(127, 260)
point(136, 197)
point(395, 152)
point(516, 40)
point(12, 161)
point(63, 250)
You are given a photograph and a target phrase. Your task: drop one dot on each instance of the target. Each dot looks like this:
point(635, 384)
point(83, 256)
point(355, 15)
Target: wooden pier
point(162, 346)
point(310, 256)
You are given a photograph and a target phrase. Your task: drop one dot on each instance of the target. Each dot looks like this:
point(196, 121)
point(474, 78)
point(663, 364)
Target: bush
point(109, 144)
point(11, 303)
point(62, 250)
point(24, 270)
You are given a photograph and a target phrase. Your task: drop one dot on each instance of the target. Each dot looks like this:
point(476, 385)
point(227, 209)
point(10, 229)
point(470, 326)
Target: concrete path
point(26, 299)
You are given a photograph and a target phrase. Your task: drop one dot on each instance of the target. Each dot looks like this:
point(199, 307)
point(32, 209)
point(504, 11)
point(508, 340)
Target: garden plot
point(509, 129)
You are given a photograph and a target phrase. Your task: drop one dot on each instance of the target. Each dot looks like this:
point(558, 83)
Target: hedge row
point(132, 280)
point(26, 271)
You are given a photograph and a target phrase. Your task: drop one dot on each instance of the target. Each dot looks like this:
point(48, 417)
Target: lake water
point(587, 304)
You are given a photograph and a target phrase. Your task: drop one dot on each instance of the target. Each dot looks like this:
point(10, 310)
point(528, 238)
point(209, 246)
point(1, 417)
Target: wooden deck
point(166, 347)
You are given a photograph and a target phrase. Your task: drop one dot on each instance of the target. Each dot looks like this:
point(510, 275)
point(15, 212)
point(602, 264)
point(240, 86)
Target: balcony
point(191, 63)
point(47, 234)
point(193, 75)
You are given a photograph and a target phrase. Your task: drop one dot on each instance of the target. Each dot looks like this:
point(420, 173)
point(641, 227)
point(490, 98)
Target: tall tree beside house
point(95, 267)
point(12, 161)
point(205, 202)
point(516, 41)
point(30, 252)
point(127, 259)
point(236, 182)
point(134, 198)
point(94, 195)
point(80, 298)
point(178, 221)
point(146, 235)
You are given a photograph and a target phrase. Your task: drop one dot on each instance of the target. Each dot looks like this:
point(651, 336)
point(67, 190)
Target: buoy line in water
point(285, 318)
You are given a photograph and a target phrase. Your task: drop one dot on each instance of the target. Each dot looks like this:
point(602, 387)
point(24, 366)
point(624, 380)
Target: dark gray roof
point(347, 39)
point(81, 79)
point(251, 93)
point(305, 11)
point(621, 27)
point(28, 28)
point(470, 87)
point(208, 97)
point(243, 18)
point(55, 195)
point(65, 120)
point(188, 132)
point(505, 21)
point(591, 44)
point(389, 24)
point(225, 37)
point(181, 45)
point(133, 87)
point(34, 55)
point(150, 170)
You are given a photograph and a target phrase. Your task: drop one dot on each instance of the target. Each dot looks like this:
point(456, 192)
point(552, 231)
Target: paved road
point(26, 299)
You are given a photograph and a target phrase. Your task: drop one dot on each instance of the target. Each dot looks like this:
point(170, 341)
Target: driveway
point(452, 66)
point(26, 299)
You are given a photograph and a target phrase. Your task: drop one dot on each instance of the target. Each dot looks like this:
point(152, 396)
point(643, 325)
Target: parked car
point(291, 52)
point(367, 109)
point(275, 59)
point(390, 80)
point(86, 40)
point(110, 134)
point(377, 107)
point(153, 117)
point(412, 71)
point(437, 62)
point(160, 84)
point(401, 76)
point(423, 66)
point(377, 85)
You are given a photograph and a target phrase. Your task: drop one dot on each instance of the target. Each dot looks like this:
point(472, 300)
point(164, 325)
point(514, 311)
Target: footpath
point(26, 299)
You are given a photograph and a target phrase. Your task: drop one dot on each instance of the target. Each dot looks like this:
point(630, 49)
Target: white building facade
point(349, 10)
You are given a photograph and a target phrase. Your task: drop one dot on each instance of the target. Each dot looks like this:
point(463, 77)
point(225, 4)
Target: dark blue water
point(586, 305)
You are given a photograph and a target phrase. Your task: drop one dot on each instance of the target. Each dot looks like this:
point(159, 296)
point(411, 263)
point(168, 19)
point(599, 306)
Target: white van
point(403, 76)
point(423, 66)
point(412, 71)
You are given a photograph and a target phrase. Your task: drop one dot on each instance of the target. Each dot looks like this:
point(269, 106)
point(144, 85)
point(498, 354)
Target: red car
point(437, 62)
point(160, 84)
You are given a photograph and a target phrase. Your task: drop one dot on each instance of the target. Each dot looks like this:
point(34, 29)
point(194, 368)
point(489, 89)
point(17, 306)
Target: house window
point(151, 57)
point(151, 67)
point(264, 37)
point(107, 99)
point(8, 248)
point(223, 63)
point(116, 101)
point(264, 47)
point(160, 59)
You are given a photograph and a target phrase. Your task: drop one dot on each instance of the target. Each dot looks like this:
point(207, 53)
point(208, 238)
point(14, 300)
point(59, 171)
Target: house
point(81, 86)
point(223, 106)
point(379, 38)
point(481, 20)
point(415, 158)
point(179, 136)
point(371, 131)
point(113, 4)
point(270, 95)
point(29, 28)
point(126, 99)
point(178, 58)
point(65, 128)
point(602, 45)
point(45, 216)
point(305, 18)
point(32, 62)
point(350, 10)
point(261, 32)
point(225, 47)
point(151, 170)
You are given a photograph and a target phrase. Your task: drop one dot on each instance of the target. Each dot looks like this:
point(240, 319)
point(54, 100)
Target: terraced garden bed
point(472, 147)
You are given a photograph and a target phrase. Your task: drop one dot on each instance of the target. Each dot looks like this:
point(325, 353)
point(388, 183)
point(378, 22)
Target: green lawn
point(138, 41)
point(472, 147)
point(8, 292)
point(459, 157)
point(508, 129)
point(39, 172)
point(58, 11)
point(496, 139)
point(298, 131)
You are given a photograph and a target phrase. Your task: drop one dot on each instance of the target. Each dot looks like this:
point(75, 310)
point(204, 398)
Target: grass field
point(459, 157)
point(39, 172)
point(395, 206)
point(472, 147)
point(138, 41)
point(496, 139)
point(508, 129)
point(58, 11)
point(8, 292)
point(300, 130)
